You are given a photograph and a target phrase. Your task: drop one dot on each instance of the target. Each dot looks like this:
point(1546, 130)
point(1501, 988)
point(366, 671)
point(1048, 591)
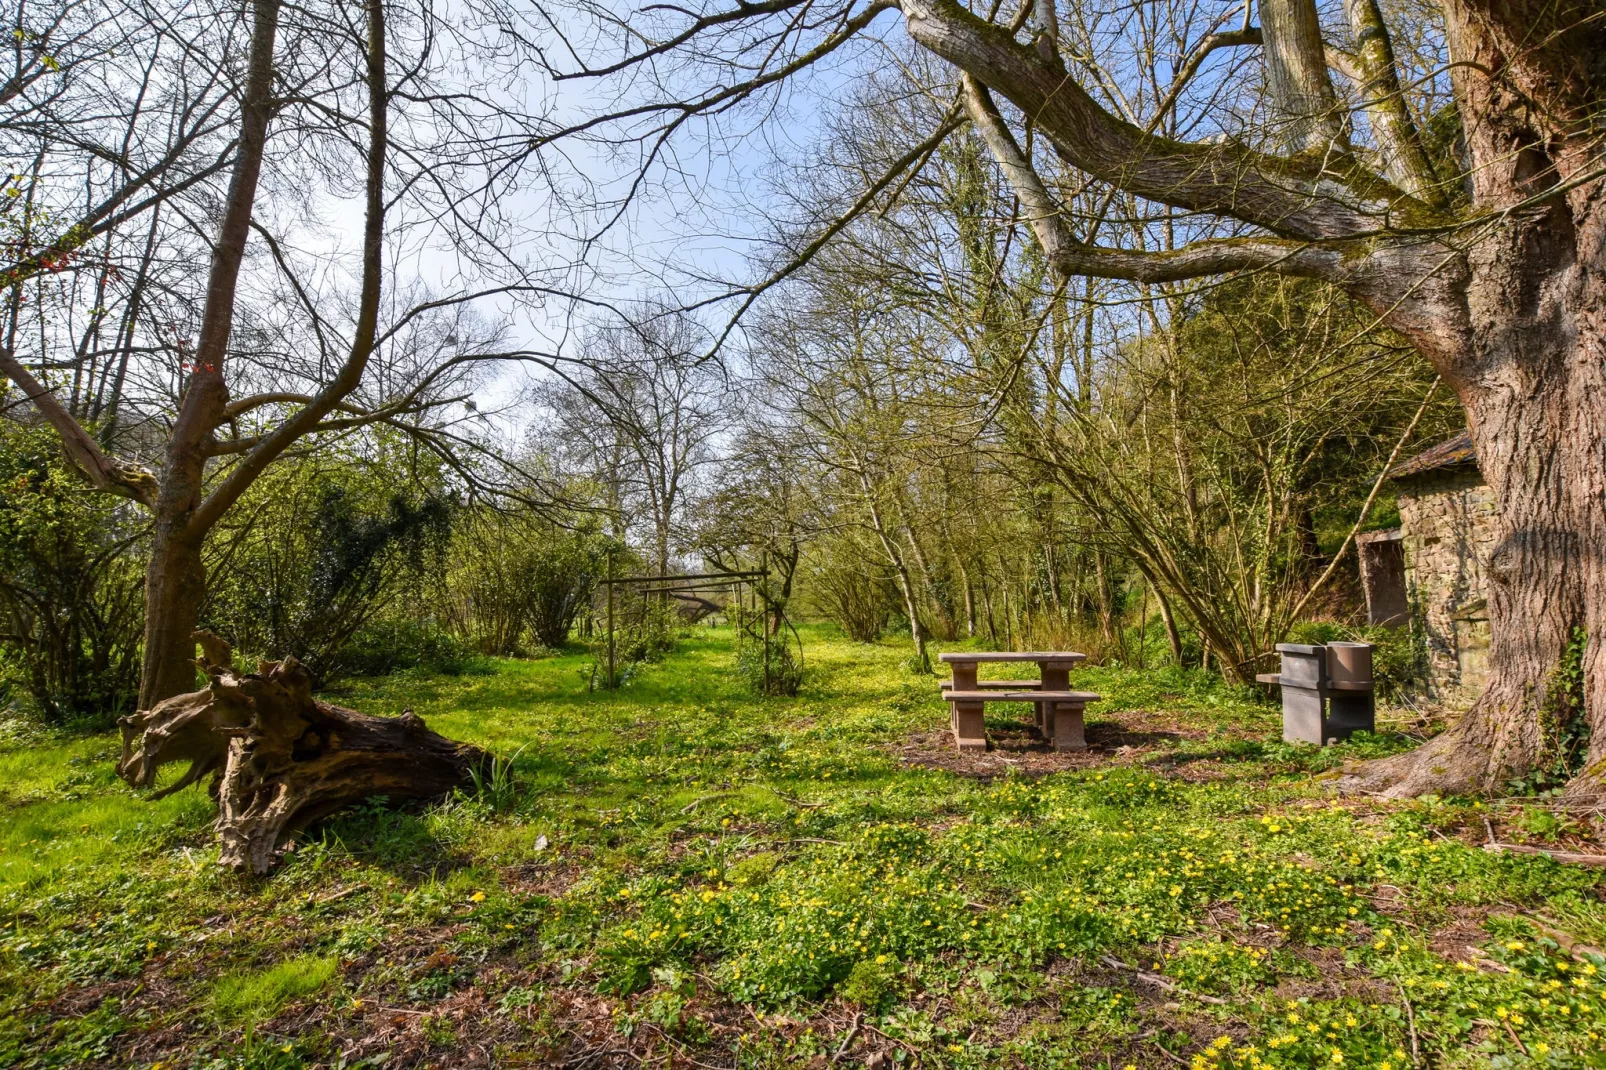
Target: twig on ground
point(335, 897)
point(847, 1041)
point(1518, 1040)
point(681, 1050)
point(1410, 1019)
point(1158, 981)
point(793, 800)
point(695, 803)
point(895, 1040)
point(1179, 1060)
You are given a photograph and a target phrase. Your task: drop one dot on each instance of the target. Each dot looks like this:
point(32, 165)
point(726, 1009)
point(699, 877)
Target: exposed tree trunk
point(281, 759)
point(1404, 160)
point(1537, 408)
point(175, 586)
point(1296, 72)
point(1172, 635)
point(1530, 368)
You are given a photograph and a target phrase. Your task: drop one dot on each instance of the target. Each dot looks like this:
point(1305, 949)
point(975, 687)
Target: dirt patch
point(1459, 940)
point(1014, 748)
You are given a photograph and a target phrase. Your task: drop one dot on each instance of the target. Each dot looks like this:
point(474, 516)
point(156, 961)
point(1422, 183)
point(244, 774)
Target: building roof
point(1454, 453)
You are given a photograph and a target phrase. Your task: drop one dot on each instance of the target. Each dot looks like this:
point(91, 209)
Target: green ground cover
point(681, 873)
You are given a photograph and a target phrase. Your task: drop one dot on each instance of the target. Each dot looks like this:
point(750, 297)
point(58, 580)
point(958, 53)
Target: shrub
point(326, 547)
point(71, 585)
point(851, 590)
point(520, 578)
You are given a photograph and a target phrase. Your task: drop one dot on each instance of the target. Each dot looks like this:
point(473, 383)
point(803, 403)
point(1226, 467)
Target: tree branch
point(1068, 257)
point(1377, 77)
point(364, 336)
point(1309, 196)
point(113, 476)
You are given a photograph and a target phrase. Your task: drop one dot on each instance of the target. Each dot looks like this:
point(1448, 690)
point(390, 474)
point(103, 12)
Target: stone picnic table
point(1059, 709)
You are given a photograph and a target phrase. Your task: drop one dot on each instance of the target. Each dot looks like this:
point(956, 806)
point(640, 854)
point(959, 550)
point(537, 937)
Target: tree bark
point(1404, 160)
point(175, 582)
point(1296, 72)
point(281, 759)
point(1530, 369)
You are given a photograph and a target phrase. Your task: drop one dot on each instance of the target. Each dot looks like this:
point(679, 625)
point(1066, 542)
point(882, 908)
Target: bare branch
point(113, 476)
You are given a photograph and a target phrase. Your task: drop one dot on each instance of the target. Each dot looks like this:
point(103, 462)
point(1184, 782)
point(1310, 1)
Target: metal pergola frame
point(672, 584)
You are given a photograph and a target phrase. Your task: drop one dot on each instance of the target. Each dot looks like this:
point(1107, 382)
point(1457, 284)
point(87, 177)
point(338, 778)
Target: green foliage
point(870, 983)
point(519, 581)
point(317, 553)
point(1216, 965)
point(846, 585)
point(1563, 724)
point(71, 586)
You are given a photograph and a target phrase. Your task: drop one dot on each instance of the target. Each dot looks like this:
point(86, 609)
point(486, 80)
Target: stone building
point(1430, 571)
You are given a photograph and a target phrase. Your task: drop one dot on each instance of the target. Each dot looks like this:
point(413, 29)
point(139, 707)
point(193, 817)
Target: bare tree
point(391, 114)
point(640, 414)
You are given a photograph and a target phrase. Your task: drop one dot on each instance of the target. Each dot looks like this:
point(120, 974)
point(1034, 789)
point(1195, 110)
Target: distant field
point(682, 874)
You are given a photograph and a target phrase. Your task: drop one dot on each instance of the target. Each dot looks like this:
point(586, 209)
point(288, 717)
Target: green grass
point(682, 868)
point(252, 996)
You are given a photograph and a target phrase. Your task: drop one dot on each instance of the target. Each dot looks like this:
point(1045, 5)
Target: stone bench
point(1059, 715)
point(997, 685)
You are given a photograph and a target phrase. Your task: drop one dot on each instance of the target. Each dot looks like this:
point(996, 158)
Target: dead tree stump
point(282, 758)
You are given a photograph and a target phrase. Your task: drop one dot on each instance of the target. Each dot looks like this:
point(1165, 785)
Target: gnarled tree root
point(1488, 746)
point(283, 759)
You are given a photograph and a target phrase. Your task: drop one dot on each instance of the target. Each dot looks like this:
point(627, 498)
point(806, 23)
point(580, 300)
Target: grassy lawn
point(683, 874)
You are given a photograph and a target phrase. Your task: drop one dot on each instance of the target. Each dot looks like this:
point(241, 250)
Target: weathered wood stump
point(283, 759)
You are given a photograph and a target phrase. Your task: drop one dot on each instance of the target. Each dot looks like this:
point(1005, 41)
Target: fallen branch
point(1569, 857)
point(1158, 981)
point(847, 1042)
point(280, 759)
point(915, 1048)
point(1410, 1018)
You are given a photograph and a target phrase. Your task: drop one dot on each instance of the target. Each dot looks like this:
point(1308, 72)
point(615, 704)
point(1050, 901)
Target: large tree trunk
point(175, 585)
point(281, 758)
point(1537, 409)
point(1530, 368)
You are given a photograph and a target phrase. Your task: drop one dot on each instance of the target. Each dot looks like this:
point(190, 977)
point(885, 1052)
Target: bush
point(782, 676)
point(519, 581)
point(71, 586)
point(398, 643)
point(322, 549)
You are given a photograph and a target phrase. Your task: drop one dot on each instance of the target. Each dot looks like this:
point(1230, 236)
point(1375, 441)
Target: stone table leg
point(1068, 729)
point(970, 725)
point(1055, 678)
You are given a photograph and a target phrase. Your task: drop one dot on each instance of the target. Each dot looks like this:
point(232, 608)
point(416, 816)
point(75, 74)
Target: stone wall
point(1447, 518)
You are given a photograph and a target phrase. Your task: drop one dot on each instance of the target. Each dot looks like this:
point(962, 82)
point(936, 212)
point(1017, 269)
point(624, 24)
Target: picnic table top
point(1012, 655)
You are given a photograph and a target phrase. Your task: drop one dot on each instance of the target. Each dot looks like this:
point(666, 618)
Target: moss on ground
point(686, 873)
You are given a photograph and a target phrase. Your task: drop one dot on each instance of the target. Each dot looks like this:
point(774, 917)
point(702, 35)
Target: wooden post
point(764, 567)
point(610, 621)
